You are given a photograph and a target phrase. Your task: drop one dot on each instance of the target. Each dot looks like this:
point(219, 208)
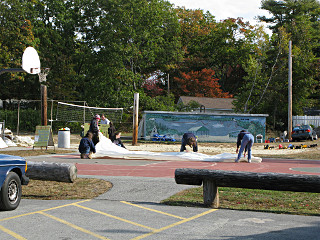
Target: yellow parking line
point(45, 210)
point(174, 224)
point(74, 226)
point(115, 217)
point(153, 210)
point(13, 234)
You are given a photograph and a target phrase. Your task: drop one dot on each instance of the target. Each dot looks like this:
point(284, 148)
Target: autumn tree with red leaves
point(200, 84)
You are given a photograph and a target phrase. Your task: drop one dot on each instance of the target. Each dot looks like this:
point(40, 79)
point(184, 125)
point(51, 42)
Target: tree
point(265, 89)
point(131, 40)
point(16, 33)
point(200, 84)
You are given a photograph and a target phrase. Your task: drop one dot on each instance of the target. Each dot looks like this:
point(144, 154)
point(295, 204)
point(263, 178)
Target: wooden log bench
point(212, 179)
point(50, 171)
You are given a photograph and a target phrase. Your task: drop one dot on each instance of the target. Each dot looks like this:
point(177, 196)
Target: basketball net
point(43, 74)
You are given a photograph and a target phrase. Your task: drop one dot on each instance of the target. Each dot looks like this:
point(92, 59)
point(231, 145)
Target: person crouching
point(86, 146)
point(189, 139)
point(117, 141)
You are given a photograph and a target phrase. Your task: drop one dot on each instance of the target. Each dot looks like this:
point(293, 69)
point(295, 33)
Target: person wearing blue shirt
point(245, 140)
point(86, 146)
point(189, 139)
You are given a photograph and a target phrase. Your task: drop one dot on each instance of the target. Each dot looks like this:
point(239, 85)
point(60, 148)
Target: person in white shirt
point(104, 120)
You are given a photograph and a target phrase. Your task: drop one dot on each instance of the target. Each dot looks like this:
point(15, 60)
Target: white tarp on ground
point(9, 142)
point(106, 148)
point(24, 141)
point(2, 143)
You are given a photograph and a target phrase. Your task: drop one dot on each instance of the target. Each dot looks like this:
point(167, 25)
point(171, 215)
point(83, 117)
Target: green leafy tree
point(131, 40)
point(265, 88)
point(16, 33)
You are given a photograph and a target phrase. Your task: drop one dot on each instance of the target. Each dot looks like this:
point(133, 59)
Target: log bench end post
point(210, 193)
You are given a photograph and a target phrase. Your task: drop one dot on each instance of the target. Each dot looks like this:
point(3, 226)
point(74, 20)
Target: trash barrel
point(64, 138)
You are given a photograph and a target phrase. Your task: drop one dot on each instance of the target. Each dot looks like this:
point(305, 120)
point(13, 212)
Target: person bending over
point(189, 139)
point(245, 140)
point(86, 146)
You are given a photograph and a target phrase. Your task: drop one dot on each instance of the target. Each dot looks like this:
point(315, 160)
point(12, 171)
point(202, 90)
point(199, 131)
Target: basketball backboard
point(31, 61)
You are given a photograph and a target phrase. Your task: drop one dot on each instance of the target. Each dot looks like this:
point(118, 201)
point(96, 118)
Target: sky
point(222, 9)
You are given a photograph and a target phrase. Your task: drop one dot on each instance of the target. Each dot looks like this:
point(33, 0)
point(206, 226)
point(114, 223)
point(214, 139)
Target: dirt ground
point(258, 149)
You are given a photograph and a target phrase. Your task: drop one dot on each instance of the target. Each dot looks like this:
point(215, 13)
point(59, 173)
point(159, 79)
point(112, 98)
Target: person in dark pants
point(94, 129)
point(117, 141)
point(111, 132)
point(245, 140)
point(86, 146)
point(189, 139)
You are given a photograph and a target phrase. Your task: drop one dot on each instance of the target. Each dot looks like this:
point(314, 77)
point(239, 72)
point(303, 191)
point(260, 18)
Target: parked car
point(12, 176)
point(304, 132)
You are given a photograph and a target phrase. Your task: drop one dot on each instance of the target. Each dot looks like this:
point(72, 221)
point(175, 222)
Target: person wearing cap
point(94, 129)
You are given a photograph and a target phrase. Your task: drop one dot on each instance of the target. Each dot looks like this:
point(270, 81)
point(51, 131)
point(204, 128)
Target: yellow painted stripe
point(74, 226)
point(115, 217)
point(174, 224)
point(153, 210)
point(13, 234)
point(45, 210)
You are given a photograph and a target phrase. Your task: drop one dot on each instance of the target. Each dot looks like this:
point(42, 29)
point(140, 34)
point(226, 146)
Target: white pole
point(18, 124)
point(135, 119)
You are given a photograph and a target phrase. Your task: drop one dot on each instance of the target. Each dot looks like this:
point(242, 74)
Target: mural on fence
point(207, 127)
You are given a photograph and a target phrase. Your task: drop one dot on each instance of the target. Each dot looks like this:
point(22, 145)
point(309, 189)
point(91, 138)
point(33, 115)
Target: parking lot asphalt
point(132, 210)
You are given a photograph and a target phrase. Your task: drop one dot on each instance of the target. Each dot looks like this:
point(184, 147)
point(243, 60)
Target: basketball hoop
point(43, 74)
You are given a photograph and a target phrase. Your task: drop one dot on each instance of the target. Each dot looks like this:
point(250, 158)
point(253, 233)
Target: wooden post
point(210, 194)
point(44, 105)
point(290, 91)
point(135, 119)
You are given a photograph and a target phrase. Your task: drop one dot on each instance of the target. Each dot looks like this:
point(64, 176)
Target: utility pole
point(135, 119)
point(290, 91)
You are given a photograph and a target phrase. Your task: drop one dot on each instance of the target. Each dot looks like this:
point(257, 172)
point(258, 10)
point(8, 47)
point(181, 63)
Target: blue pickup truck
point(12, 176)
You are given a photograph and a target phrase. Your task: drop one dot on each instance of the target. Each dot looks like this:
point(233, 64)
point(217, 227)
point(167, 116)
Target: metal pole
point(135, 119)
point(168, 85)
point(84, 113)
point(290, 91)
point(18, 124)
point(2, 71)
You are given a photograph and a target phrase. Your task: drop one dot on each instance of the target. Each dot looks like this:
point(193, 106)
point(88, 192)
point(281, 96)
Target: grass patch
point(81, 188)
point(28, 153)
point(297, 203)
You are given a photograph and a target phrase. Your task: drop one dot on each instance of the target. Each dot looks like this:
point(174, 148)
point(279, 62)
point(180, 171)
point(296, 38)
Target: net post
point(135, 119)
point(84, 112)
